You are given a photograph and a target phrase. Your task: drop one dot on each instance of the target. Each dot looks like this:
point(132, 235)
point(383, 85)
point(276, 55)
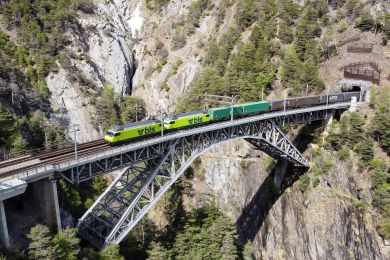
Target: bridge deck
point(46, 170)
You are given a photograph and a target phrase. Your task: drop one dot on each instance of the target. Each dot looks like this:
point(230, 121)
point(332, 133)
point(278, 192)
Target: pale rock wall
point(148, 82)
point(104, 40)
point(380, 6)
point(322, 223)
point(65, 97)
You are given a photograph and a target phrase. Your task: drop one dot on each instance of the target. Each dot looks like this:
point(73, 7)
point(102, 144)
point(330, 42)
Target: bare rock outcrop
point(164, 72)
point(325, 222)
point(100, 52)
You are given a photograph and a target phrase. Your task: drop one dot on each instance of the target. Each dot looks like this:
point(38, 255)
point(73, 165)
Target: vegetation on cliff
point(41, 28)
point(285, 47)
point(254, 67)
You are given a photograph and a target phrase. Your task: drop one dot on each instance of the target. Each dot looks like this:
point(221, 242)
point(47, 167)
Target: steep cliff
point(328, 221)
point(331, 219)
point(100, 52)
point(157, 51)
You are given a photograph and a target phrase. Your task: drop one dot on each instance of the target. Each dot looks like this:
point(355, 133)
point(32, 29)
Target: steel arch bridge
point(152, 169)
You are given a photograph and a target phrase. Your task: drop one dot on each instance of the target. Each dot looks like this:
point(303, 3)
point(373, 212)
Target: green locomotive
point(186, 120)
point(133, 131)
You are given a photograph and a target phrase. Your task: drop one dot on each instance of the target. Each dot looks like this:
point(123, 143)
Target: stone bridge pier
point(23, 204)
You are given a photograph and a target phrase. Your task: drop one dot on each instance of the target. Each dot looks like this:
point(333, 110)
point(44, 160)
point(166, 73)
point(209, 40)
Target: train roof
point(253, 102)
point(133, 124)
point(186, 114)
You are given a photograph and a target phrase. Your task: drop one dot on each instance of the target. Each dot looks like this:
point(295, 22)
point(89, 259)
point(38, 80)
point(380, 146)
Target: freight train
point(143, 129)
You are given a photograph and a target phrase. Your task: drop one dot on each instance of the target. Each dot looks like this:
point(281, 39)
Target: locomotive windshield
point(110, 134)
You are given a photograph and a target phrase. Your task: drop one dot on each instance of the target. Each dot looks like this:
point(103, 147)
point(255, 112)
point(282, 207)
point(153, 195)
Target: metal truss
point(83, 171)
point(153, 170)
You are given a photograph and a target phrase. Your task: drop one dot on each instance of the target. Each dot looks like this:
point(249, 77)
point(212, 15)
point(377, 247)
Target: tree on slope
point(41, 246)
point(111, 252)
point(66, 244)
point(157, 252)
point(292, 70)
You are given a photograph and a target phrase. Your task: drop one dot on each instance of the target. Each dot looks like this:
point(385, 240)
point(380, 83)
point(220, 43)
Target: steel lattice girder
point(87, 171)
point(140, 185)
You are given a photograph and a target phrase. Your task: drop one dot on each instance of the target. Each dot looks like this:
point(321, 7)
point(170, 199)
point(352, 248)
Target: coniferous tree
point(289, 11)
point(132, 109)
point(106, 113)
point(384, 22)
point(70, 197)
point(285, 34)
point(99, 185)
point(247, 12)
point(311, 77)
point(292, 70)
point(41, 246)
point(228, 247)
point(157, 252)
point(19, 144)
point(66, 244)
point(248, 251)
point(7, 125)
point(366, 150)
point(381, 127)
point(111, 252)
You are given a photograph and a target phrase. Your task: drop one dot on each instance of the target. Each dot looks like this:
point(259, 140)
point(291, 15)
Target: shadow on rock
point(256, 211)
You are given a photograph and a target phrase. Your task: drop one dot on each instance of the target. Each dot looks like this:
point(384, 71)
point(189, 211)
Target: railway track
point(10, 167)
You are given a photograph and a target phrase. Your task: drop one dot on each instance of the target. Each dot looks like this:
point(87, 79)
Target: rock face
point(162, 86)
point(120, 43)
point(101, 52)
point(66, 98)
point(325, 222)
point(381, 6)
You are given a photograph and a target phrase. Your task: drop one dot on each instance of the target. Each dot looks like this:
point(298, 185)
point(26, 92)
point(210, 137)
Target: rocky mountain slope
point(156, 50)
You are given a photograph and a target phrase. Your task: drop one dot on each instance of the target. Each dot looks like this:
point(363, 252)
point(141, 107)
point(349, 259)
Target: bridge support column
point(4, 236)
point(328, 120)
point(50, 206)
point(44, 200)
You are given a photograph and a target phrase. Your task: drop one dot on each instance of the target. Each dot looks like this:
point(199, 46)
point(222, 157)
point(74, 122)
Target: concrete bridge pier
point(22, 206)
point(8, 189)
point(4, 235)
point(45, 200)
point(328, 120)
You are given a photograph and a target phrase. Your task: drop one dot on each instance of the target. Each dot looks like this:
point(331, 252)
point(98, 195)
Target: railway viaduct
point(150, 167)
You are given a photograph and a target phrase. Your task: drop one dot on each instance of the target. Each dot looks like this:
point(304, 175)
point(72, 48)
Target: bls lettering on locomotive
point(194, 121)
point(147, 131)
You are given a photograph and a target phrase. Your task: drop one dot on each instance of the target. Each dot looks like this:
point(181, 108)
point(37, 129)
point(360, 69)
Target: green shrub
point(366, 150)
point(366, 23)
point(178, 39)
point(384, 228)
point(304, 181)
point(155, 4)
point(322, 162)
point(316, 182)
point(344, 154)
point(342, 27)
